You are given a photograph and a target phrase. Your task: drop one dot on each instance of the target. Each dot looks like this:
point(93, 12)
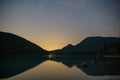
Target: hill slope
point(93, 44)
point(90, 45)
point(11, 44)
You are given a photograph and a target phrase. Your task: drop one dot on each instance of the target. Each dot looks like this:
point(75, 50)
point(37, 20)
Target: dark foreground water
point(59, 68)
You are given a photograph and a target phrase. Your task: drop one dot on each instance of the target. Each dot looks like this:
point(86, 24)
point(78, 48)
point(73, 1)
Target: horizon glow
point(52, 24)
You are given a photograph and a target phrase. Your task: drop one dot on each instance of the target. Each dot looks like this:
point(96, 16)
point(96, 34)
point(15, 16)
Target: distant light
point(50, 56)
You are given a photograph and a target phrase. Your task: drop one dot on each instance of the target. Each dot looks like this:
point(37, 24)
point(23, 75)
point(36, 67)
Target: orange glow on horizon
point(49, 44)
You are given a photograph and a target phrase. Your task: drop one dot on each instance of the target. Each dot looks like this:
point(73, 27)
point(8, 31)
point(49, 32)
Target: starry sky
point(52, 24)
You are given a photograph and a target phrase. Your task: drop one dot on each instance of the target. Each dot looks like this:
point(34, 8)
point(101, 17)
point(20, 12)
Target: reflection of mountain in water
point(13, 65)
point(18, 55)
point(92, 66)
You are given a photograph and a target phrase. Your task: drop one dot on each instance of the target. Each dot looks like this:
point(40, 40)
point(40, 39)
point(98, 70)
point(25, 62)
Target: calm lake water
point(60, 69)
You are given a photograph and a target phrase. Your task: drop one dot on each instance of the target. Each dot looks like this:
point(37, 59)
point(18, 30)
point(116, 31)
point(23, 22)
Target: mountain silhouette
point(68, 48)
point(11, 44)
point(93, 44)
point(89, 45)
point(18, 55)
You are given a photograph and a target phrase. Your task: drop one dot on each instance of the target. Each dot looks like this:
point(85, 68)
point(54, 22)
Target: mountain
point(90, 45)
point(93, 44)
point(11, 44)
point(68, 48)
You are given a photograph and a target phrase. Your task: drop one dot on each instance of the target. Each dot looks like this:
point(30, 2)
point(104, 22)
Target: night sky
point(52, 24)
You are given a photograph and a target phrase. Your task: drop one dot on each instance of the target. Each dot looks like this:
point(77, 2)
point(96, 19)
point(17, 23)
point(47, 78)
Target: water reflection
point(61, 68)
point(93, 66)
point(13, 65)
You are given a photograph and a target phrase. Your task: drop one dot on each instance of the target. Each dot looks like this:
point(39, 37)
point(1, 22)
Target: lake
point(59, 68)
